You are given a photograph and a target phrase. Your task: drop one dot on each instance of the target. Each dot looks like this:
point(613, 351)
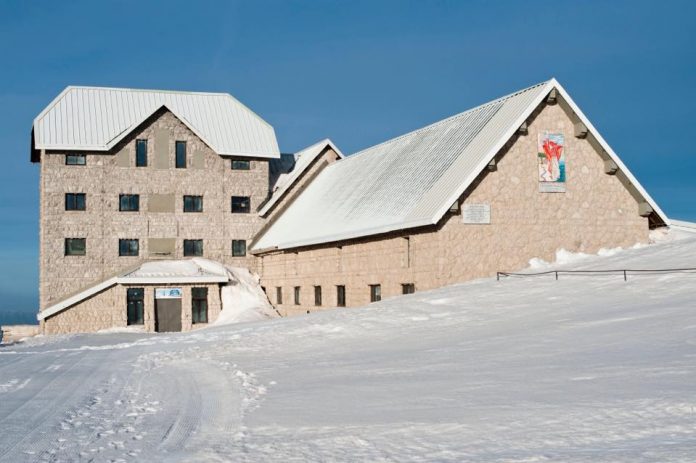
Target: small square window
point(193, 248)
point(375, 293)
point(128, 203)
point(241, 204)
point(408, 288)
point(238, 248)
point(279, 295)
point(193, 203)
point(74, 201)
point(317, 295)
point(241, 164)
point(297, 295)
point(199, 305)
point(75, 159)
point(128, 247)
point(180, 151)
point(75, 246)
point(141, 153)
point(341, 296)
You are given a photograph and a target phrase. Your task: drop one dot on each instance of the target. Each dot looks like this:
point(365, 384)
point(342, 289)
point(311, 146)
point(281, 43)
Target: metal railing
point(624, 272)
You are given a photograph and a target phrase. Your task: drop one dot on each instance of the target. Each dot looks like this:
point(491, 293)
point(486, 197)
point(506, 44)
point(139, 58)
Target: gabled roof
point(414, 179)
point(96, 119)
point(303, 159)
point(195, 271)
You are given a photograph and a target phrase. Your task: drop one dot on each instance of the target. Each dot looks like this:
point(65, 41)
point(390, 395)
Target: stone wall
point(595, 211)
point(107, 175)
point(108, 309)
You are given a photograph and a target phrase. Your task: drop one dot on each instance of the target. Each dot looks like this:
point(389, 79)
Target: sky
point(358, 72)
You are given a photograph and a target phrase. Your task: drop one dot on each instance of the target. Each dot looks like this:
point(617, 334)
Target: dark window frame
point(195, 203)
point(340, 295)
point(279, 295)
point(138, 161)
point(190, 249)
point(125, 248)
point(68, 248)
point(317, 295)
point(297, 294)
point(199, 305)
point(241, 208)
point(72, 202)
point(180, 162)
point(375, 293)
point(240, 164)
point(133, 204)
point(237, 252)
point(408, 288)
point(135, 306)
point(75, 156)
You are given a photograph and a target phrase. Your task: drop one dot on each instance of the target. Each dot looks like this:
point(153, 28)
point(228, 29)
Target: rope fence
point(624, 272)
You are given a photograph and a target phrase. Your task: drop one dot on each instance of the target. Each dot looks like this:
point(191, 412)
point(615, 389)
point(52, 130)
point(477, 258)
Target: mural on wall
point(551, 162)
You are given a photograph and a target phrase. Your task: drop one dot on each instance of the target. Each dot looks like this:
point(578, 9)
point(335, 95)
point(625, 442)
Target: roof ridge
point(448, 119)
point(129, 89)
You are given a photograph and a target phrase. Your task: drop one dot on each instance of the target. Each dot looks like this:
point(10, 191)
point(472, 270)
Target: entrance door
point(167, 315)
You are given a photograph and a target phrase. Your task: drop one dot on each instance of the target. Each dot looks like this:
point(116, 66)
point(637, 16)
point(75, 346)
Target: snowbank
point(243, 300)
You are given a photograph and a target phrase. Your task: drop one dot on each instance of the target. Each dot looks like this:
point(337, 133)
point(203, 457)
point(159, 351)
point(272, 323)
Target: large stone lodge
point(140, 190)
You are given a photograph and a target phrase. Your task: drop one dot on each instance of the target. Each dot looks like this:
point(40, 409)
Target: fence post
point(625, 279)
point(556, 275)
point(497, 276)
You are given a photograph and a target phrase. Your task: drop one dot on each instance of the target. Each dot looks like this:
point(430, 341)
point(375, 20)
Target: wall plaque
point(476, 213)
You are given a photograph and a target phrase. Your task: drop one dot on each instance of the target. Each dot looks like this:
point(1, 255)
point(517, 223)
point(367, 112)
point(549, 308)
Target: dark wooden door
point(167, 315)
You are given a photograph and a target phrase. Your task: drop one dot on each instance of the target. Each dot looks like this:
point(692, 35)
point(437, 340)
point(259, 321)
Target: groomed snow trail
point(582, 369)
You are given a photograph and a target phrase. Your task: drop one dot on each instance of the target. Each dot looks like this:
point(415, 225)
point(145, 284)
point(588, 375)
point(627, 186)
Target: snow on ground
point(584, 369)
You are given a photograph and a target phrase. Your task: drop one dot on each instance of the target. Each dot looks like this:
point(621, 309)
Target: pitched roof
point(303, 159)
point(95, 118)
point(412, 180)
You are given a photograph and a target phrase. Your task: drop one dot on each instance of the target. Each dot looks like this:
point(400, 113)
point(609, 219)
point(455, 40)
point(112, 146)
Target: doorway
point(168, 310)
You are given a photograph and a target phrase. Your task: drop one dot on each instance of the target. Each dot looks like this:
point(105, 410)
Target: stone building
point(482, 191)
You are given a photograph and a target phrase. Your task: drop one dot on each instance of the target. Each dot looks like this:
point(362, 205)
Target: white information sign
point(168, 293)
point(476, 213)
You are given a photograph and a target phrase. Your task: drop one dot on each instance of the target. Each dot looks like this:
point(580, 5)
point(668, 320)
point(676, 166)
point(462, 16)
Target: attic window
point(75, 159)
point(141, 153)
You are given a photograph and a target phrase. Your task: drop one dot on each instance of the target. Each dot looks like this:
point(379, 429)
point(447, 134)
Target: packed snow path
point(577, 370)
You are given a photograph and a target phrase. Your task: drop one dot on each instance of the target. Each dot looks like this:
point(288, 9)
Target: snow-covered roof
point(190, 271)
point(96, 118)
point(683, 225)
point(412, 180)
point(303, 159)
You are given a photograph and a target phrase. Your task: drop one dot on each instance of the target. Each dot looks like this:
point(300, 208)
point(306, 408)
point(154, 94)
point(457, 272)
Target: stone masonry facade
point(107, 309)
point(596, 211)
point(108, 175)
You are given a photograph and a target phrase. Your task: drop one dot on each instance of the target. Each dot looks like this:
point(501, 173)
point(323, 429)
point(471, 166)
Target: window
point(408, 288)
point(297, 295)
point(375, 293)
point(128, 247)
point(74, 201)
point(128, 203)
point(180, 151)
point(241, 204)
point(341, 296)
point(75, 246)
point(75, 159)
point(140, 153)
point(279, 295)
point(238, 248)
point(193, 203)
point(135, 304)
point(241, 164)
point(199, 305)
point(317, 295)
point(193, 247)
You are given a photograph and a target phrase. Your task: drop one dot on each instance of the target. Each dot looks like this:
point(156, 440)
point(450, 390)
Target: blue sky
point(357, 72)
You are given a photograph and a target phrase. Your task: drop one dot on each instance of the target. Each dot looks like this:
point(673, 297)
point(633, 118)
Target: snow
point(189, 267)
point(243, 300)
point(583, 369)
